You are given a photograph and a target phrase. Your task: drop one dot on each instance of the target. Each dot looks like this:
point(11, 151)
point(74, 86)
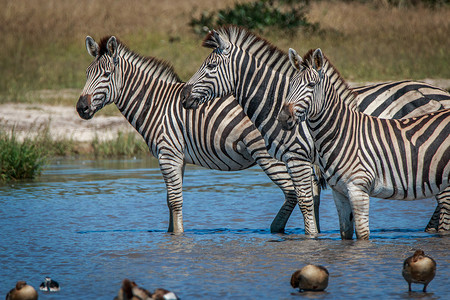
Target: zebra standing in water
point(147, 93)
point(361, 155)
point(257, 74)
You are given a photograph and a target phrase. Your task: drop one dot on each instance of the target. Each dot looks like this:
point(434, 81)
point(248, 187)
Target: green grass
point(19, 159)
point(124, 145)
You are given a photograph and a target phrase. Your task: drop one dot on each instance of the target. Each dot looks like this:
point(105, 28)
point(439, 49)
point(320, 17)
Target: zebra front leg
point(302, 177)
point(345, 215)
point(359, 200)
point(173, 177)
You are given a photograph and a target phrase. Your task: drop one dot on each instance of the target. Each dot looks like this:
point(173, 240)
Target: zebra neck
point(145, 98)
point(340, 86)
point(260, 91)
point(332, 127)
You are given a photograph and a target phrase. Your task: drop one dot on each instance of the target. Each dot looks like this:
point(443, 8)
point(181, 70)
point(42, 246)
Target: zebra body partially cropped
point(362, 156)
point(258, 74)
point(147, 92)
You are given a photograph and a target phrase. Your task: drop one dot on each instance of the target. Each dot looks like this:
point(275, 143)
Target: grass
point(43, 41)
point(19, 159)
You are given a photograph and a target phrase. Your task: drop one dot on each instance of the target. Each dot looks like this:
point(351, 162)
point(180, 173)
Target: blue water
point(90, 224)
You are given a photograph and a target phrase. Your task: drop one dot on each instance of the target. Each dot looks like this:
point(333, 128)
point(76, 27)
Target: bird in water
point(310, 278)
point(22, 291)
point(49, 285)
point(131, 291)
point(419, 268)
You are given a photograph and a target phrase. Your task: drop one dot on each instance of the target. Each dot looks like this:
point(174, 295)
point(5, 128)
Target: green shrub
point(19, 159)
point(261, 15)
point(125, 144)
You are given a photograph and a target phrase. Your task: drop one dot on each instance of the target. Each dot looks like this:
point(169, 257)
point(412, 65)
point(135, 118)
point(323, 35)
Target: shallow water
point(89, 224)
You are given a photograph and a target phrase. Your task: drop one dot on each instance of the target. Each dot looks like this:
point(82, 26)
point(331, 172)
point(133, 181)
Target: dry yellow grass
point(43, 40)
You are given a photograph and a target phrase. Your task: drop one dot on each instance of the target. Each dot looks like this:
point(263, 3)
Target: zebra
point(362, 155)
point(257, 73)
point(147, 92)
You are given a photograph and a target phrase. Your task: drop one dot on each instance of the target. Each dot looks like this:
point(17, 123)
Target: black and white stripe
point(362, 155)
point(217, 136)
point(257, 74)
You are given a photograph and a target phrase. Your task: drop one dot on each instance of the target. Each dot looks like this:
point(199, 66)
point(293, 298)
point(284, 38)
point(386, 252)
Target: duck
point(310, 278)
point(131, 291)
point(49, 285)
point(22, 291)
point(419, 268)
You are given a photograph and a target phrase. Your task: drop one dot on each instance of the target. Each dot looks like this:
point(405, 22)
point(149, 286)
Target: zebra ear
point(295, 59)
point(221, 43)
point(318, 60)
point(92, 46)
point(111, 45)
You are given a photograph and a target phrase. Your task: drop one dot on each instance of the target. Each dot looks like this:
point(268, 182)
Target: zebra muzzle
point(83, 107)
point(286, 118)
point(187, 100)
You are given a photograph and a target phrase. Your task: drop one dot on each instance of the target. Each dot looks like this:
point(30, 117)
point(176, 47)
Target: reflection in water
point(89, 224)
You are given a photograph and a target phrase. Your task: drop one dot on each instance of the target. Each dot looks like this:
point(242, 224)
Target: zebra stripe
point(362, 155)
point(217, 136)
point(257, 74)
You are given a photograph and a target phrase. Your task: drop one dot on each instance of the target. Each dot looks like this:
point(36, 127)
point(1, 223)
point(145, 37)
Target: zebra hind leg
point(443, 199)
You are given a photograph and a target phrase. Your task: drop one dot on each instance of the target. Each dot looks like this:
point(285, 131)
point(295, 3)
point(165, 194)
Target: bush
point(19, 160)
point(261, 15)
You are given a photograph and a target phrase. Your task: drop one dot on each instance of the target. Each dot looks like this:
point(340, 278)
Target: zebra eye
point(311, 84)
point(211, 66)
point(106, 74)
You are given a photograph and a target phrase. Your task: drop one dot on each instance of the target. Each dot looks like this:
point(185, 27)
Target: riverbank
point(63, 122)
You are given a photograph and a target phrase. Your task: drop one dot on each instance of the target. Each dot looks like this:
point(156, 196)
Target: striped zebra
point(362, 155)
point(257, 74)
point(147, 92)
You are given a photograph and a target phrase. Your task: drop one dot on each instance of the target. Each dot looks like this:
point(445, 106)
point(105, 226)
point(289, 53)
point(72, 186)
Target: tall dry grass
point(43, 40)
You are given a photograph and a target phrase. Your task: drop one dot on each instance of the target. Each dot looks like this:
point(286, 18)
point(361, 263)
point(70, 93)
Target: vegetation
point(24, 158)
point(125, 144)
point(43, 41)
point(261, 15)
point(19, 160)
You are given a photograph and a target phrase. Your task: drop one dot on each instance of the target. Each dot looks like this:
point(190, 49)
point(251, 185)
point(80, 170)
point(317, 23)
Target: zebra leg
point(172, 171)
point(444, 205)
point(302, 176)
point(316, 189)
point(433, 224)
point(440, 221)
point(344, 209)
point(359, 200)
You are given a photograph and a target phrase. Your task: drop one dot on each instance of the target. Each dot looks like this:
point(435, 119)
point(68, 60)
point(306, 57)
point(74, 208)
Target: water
point(90, 224)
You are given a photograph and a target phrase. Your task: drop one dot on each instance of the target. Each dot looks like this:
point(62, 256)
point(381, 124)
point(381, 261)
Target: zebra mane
point(342, 88)
point(259, 47)
point(157, 67)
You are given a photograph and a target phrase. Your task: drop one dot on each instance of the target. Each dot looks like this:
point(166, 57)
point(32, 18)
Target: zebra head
point(102, 77)
point(304, 89)
point(214, 78)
